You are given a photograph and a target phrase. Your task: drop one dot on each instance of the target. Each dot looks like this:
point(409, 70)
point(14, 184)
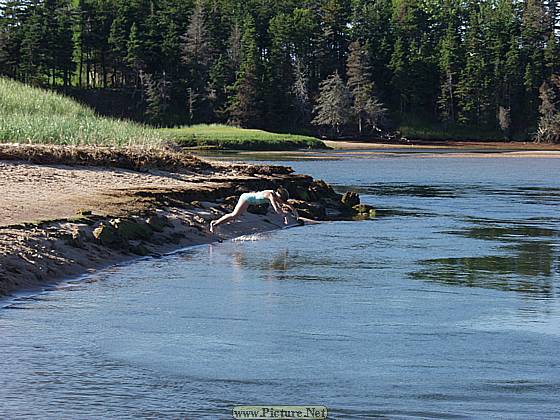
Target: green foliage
point(474, 64)
point(228, 137)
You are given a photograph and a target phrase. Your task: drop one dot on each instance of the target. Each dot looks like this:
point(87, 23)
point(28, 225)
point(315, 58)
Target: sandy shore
point(60, 221)
point(455, 148)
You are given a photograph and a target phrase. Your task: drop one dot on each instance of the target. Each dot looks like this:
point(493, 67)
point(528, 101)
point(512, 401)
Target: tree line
point(345, 66)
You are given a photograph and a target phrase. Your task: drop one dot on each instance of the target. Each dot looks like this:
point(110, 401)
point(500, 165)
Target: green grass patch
point(33, 115)
point(419, 129)
point(227, 137)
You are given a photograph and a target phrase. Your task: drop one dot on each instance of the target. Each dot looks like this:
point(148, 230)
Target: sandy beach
point(454, 148)
point(59, 221)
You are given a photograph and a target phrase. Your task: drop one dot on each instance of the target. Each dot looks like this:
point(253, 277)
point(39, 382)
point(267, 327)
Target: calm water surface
point(445, 306)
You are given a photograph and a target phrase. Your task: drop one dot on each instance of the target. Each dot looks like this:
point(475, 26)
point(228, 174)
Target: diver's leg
point(240, 208)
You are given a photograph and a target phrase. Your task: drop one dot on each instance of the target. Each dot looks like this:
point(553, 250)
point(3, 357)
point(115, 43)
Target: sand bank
point(60, 221)
point(508, 149)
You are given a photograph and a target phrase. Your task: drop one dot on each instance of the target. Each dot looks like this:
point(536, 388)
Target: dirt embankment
point(65, 211)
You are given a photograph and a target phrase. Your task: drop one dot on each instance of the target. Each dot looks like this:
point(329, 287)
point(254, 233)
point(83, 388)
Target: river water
point(445, 306)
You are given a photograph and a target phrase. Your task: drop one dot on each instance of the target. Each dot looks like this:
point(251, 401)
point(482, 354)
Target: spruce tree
point(335, 16)
point(450, 62)
point(300, 93)
point(195, 46)
point(4, 54)
point(64, 44)
point(279, 72)
point(33, 56)
point(400, 80)
point(11, 12)
point(234, 48)
point(474, 86)
point(134, 50)
point(549, 110)
point(156, 97)
point(534, 35)
point(196, 55)
point(366, 106)
point(334, 104)
point(245, 107)
point(372, 26)
point(479, 63)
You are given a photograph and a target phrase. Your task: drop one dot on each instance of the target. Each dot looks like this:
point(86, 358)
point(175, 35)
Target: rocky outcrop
point(364, 211)
point(106, 234)
point(318, 200)
point(132, 229)
point(350, 199)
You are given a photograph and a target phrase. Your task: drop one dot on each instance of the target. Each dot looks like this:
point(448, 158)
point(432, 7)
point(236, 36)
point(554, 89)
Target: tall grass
point(32, 115)
point(228, 137)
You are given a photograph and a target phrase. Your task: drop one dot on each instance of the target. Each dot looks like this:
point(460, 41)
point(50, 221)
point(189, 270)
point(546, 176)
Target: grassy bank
point(418, 130)
point(227, 137)
point(32, 115)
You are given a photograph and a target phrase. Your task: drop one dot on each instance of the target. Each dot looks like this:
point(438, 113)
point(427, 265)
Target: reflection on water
point(527, 195)
point(493, 272)
point(408, 190)
point(529, 266)
point(446, 306)
point(515, 233)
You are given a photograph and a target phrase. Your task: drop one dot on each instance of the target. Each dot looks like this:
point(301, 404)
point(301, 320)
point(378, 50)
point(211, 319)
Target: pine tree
point(4, 54)
point(300, 93)
point(479, 63)
point(235, 46)
point(473, 88)
point(134, 50)
point(156, 97)
point(334, 105)
point(335, 15)
point(13, 14)
point(307, 39)
point(400, 80)
point(372, 26)
point(33, 61)
point(195, 47)
point(406, 23)
point(552, 55)
point(245, 107)
point(450, 63)
point(197, 56)
point(126, 14)
point(64, 45)
point(502, 41)
point(366, 106)
point(279, 71)
point(549, 109)
point(534, 36)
